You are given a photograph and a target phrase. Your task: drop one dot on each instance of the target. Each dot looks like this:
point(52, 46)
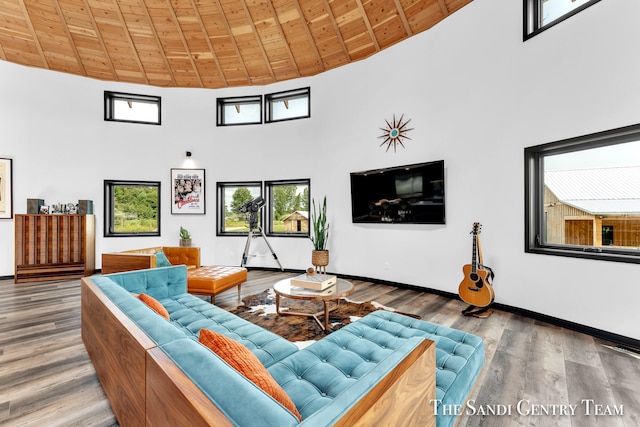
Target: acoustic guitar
point(475, 288)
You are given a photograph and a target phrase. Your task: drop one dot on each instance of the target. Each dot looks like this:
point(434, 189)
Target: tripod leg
point(270, 248)
point(245, 254)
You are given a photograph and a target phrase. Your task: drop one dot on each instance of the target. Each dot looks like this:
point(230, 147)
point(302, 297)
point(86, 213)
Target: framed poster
point(188, 191)
point(6, 188)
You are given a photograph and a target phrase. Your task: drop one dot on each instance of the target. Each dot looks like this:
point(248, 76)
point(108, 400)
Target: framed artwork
point(188, 190)
point(6, 188)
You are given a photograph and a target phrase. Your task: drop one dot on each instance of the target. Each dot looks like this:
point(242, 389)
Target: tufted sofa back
point(160, 283)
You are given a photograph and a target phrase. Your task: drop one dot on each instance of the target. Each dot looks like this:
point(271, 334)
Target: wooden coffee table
point(330, 298)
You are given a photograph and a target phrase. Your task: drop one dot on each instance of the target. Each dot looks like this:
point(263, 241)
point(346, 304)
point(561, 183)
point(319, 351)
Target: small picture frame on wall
point(6, 188)
point(188, 191)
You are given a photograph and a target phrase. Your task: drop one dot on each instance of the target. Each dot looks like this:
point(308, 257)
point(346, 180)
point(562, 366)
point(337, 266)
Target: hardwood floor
point(47, 379)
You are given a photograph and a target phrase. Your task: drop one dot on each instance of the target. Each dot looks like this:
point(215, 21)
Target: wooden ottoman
point(211, 280)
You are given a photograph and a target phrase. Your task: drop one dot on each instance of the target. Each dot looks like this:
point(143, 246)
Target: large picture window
point(231, 197)
point(583, 196)
point(288, 207)
point(131, 208)
point(540, 15)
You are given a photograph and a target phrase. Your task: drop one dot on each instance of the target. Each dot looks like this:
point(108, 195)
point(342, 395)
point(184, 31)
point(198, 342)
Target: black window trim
point(108, 207)
point(531, 17)
point(268, 185)
point(220, 186)
point(534, 193)
point(237, 100)
point(110, 97)
point(286, 94)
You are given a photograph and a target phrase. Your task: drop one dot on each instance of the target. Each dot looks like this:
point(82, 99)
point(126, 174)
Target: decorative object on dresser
point(319, 236)
point(53, 247)
point(34, 205)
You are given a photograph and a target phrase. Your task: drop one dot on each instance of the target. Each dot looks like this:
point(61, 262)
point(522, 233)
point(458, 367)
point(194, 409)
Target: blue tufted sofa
point(383, 369)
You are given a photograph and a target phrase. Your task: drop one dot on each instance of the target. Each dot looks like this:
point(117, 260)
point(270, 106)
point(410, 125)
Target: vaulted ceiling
point(207, 43)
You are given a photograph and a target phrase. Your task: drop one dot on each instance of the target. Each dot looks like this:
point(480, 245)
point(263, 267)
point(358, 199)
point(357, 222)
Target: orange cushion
point(242, 360)
point(154, 304)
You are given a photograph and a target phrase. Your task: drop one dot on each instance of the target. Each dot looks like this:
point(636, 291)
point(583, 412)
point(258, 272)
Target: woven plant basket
point(320, 258)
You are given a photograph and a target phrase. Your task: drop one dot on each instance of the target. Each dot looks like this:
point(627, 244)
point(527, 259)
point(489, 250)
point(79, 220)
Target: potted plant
point(319, 234)
point(185, 237)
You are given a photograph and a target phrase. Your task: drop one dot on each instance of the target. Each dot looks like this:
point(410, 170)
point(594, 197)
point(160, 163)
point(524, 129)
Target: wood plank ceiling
point(207, 43)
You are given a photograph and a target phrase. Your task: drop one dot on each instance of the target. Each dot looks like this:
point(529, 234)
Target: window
point(127, 107)
point(288, 105)
point(288, 207)
point(583, 196)
point(542, 14)
point(231, 197)
point(131, 208)
point(245, 110)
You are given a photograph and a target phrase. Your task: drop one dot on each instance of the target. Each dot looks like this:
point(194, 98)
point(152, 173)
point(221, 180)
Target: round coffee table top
point(340, 289)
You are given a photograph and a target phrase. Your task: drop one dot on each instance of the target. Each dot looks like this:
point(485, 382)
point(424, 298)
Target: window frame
point(221, 103)
point(269, 185)
point(532, 24)
point(534, 194)
point(270, 98)
point(109, 214)
point(109, 108)
point(221, 207)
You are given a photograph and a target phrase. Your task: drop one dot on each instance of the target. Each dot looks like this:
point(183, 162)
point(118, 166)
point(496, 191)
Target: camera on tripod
point(251, 209)
point(252, 205)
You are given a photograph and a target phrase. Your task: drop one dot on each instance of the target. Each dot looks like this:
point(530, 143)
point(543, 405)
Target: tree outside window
point(231, 196)
point(131, 208)
point(289, 203)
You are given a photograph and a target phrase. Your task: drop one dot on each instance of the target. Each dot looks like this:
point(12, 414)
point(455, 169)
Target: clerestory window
point(128, 107)
point(540, 15)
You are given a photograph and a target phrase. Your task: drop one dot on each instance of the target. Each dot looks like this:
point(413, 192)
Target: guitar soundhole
point(475, 278)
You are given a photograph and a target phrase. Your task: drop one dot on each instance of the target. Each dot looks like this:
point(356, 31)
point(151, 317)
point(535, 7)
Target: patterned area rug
point(261, 310)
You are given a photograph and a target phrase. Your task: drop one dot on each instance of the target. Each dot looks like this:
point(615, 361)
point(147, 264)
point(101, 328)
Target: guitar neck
point(474, 260)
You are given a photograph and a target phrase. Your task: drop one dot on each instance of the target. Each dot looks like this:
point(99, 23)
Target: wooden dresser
point(53, 247)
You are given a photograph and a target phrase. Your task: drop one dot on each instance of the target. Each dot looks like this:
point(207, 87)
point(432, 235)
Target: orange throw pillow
point(242, 360)
point(154, 304)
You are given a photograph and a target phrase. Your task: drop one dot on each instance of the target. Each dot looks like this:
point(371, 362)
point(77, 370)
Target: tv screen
point(410, 194)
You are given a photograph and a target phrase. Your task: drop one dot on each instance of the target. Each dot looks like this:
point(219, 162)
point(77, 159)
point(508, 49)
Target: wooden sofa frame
point(145, 387)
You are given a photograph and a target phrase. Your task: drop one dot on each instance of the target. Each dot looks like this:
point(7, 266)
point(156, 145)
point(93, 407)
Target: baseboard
point(624, 341)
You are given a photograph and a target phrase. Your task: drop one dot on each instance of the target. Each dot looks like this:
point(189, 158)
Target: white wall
point(476, 96)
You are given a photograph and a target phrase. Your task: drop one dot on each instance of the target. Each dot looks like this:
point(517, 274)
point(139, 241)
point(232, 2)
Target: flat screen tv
point(410, 194)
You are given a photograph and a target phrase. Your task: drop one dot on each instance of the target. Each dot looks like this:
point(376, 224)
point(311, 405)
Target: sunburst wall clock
point(395, 133)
